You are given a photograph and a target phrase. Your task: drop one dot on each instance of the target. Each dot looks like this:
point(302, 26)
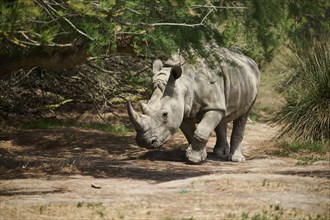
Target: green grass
point(268, 100)
point(47, 123)
point(96, 206)
point(114, 128)
point(184, 191)
point(305, 152)
point(305, 147)
point(80, 204)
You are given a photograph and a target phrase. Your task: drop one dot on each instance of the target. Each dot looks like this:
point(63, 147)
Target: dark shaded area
point(44, 57)
point(49, 152)
point(70, 151)
point(177, 155)
point(43, 92)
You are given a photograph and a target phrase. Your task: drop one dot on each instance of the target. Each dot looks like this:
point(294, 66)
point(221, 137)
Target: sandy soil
point(69, 173)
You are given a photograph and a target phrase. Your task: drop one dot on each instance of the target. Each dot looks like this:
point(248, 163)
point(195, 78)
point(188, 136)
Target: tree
point(64, 33)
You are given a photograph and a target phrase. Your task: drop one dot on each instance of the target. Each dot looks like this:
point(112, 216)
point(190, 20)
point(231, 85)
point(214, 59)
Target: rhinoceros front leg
point(188, 128)
point(196, 152)
point(236, 139)
point(221, 148)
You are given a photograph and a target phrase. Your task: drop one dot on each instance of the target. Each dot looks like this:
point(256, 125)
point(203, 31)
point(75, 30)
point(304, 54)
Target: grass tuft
point(305, 115)
point(304, 147)
point(305, 152)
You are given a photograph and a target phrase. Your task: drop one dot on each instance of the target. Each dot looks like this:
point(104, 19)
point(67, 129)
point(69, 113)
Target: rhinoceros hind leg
point(236, 138)
point(237, 156)
point(221, 148)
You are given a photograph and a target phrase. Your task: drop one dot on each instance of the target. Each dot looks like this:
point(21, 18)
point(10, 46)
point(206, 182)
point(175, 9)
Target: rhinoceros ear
point(157, 65)
point(176, 72)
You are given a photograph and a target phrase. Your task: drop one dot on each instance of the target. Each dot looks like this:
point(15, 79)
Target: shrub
point(305, 116)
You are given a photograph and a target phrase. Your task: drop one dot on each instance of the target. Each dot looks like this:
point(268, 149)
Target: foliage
point(141, 27)
point(105, 25)
point(306, 88)
point(146, 27)
point(308, 19)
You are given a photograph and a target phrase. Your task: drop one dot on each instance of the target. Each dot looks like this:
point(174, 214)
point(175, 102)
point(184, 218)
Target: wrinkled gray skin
point(199, 100)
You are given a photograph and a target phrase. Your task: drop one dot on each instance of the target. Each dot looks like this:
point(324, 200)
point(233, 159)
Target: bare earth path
point(68, 173)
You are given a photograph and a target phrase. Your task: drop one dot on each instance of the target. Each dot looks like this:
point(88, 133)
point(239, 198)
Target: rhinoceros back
point(230, 86)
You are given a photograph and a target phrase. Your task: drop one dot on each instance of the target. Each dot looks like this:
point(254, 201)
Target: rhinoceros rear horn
point(145, 109)
point(157, 65)
point(176, 72)
point(134, 117)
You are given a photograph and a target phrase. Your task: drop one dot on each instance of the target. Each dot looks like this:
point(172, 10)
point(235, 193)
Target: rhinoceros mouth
point(156, 144)
point(150, 143)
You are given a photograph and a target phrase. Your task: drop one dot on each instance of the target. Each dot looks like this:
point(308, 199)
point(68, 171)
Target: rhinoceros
point(199, 99)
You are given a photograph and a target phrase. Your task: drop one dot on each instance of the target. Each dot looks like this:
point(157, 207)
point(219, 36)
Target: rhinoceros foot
point(221, 152)
point(196, 156)
point(237, 158)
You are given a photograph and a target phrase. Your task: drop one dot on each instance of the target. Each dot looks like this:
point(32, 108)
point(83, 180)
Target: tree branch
point(220, 7)
point(184, 24)
point(70, 23)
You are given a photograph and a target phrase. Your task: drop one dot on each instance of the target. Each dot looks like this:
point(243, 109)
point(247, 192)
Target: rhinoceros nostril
point(154, 141)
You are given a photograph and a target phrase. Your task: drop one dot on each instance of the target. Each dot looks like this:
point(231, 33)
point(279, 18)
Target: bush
point(41, 91)
point(305, 115)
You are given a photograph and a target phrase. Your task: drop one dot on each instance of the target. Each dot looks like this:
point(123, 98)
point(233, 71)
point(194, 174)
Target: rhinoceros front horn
point(134, 117)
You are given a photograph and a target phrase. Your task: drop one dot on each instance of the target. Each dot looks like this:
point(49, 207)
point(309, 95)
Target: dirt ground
point(70, 173)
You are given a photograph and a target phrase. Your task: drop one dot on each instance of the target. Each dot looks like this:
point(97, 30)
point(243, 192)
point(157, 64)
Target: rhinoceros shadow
point(176, 155)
